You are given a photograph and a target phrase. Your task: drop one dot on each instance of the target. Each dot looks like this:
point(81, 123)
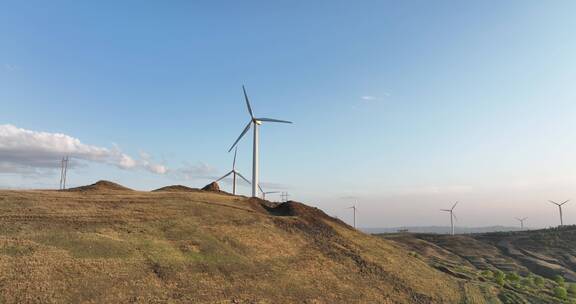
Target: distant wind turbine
point(452, 216)
point(234, 172)
point(353, 208)
point(521, 220)
point(560, 210)
point(264, 193)
point(256, 122)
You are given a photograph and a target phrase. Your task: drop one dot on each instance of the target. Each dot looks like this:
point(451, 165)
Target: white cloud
point(197, 171)
point(368, 98)
point(29, 152)
point(146, 162)
point(371, 98)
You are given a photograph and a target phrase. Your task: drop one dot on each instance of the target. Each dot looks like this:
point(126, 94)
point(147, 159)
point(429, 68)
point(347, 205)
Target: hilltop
point(101, 186)
point(109, 244)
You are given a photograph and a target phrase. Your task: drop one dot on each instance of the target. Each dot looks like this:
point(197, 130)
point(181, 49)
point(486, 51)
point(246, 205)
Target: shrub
point(539, 280)
point(487, 274)
point(560, 292)
point(499, 277)
point(528, 281)
point(572, 289)
point(559, 280)
point(512, 277)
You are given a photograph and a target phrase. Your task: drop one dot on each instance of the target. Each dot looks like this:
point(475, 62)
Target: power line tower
point(285, 196)
point(63, 172)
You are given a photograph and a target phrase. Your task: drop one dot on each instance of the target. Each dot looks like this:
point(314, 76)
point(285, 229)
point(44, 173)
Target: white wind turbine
point(353, 208)
point(234, 172)
point(452, 217)
point(264, 193)
point(256, 122)
point(560, 210)
point(521, 220)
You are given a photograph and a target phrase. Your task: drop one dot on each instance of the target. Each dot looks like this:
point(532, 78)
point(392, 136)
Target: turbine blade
point(564, 202)
point(273, 120)
point(447, 210)
point(454, 206)
point(261, 190)
point(224, 176)
point(555, 203)
point(242, 134)
point(241, 176)
point(247, 102)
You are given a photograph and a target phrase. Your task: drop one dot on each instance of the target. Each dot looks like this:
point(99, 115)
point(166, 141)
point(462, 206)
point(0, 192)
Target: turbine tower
point(234, 173)
point(521, 220)
point(256, 122)
point(264, 193)
point(452, 217)
point(353, 208)
point(560, 210)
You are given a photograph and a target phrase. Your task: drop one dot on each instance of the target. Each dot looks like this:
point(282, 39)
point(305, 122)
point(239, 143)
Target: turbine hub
point(257, 122)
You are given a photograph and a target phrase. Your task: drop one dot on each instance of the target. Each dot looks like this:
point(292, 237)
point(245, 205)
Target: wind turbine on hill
point(353, 208)
point(254, 121)
point(560, 210)
point(521, 220)
point(452, 217)
point(264, 193)
point(234, 173)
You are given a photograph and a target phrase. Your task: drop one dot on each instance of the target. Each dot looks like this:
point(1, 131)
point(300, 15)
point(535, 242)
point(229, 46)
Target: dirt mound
point(176, 188)
point(292, 208)
point(213, 186)
point(101, 186)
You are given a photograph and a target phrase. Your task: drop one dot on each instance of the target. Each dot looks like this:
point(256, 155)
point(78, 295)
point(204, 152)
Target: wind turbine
point(256, 122)
point(353, 208)
point(234, 173)
point(266, 192)
point(452, 216)
point(560, 209)
point(521, 220)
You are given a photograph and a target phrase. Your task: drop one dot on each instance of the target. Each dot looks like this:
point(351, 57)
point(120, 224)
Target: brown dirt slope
point(200, 247)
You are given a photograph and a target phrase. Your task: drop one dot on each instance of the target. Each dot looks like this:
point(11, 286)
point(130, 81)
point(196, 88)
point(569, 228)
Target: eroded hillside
point(524, 257)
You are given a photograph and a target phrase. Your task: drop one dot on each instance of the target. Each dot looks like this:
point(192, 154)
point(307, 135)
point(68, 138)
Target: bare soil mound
point(213, 186)
point(292, 208)
point(176, 188)
point(100, 186)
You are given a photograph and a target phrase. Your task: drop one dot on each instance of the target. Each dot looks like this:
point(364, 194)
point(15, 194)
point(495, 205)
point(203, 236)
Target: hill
point(100, 186)
point(547, 254)
point(176, 188)
point(202, 247)
point(440, 229)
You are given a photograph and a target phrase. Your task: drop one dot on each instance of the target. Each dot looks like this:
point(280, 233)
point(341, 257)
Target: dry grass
point(197, 247)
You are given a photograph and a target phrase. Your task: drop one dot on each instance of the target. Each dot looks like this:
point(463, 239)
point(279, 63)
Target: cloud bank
point(29, 152)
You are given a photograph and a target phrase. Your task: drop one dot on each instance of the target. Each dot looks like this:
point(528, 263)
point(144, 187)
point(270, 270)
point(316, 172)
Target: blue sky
point(402, 106)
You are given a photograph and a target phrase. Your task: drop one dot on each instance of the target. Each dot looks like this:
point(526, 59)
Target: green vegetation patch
point(16, 250)
point(85, 245)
